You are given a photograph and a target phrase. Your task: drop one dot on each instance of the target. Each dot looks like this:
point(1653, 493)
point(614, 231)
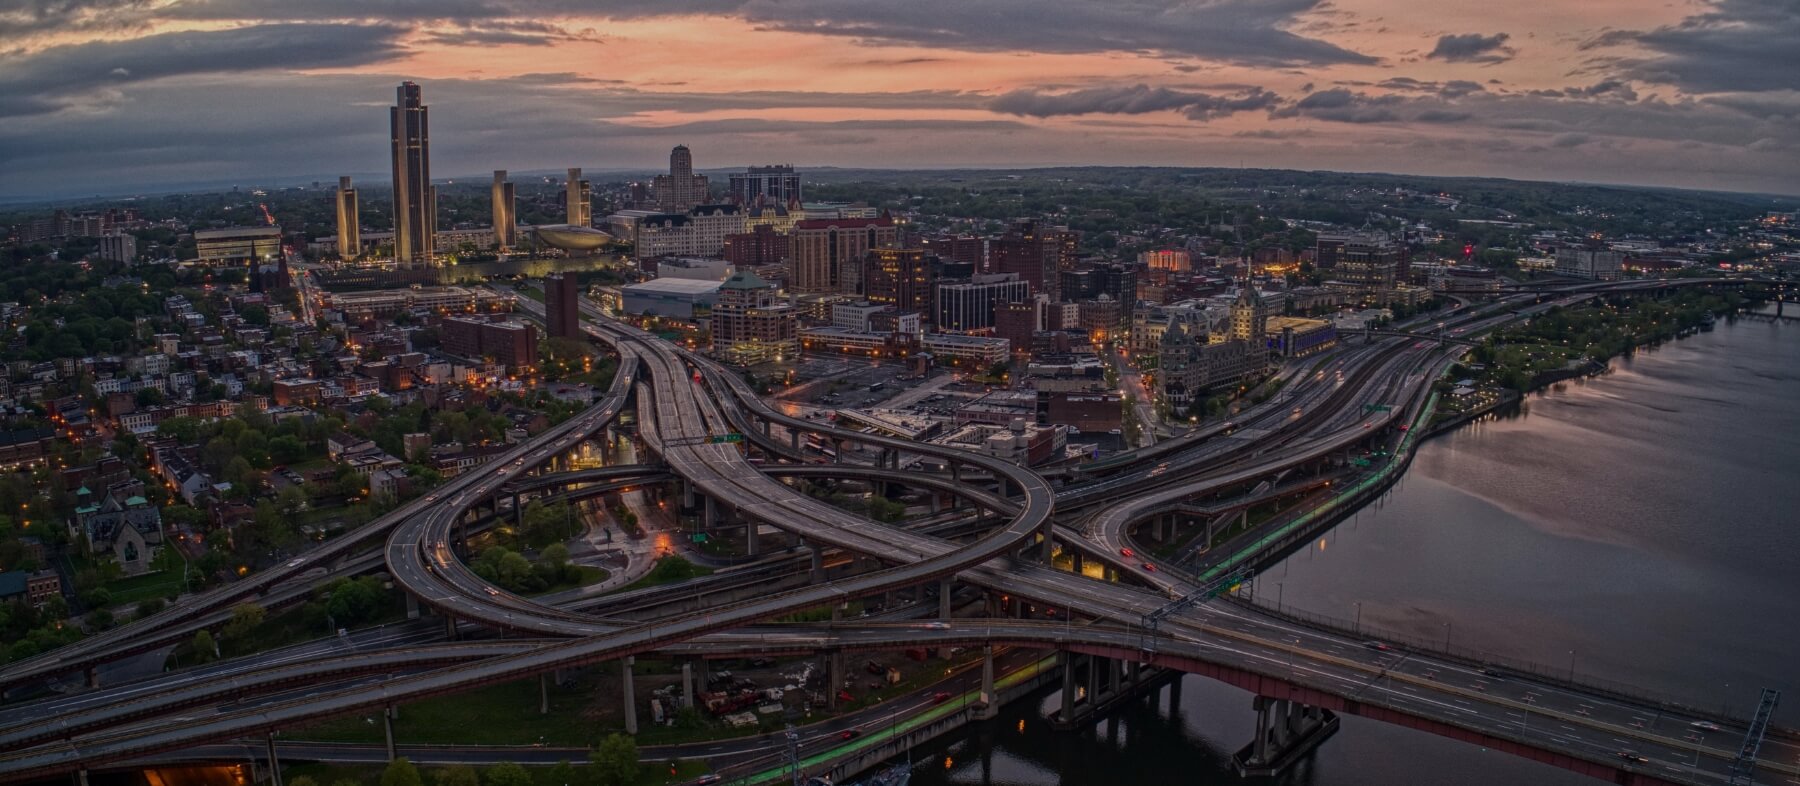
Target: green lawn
point(134, 589)
point(669, 570)
point(589, 575)
point(505, 714)
point(650, 773)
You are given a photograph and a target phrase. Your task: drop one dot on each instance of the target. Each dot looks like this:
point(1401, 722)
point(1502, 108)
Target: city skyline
point(105, 98)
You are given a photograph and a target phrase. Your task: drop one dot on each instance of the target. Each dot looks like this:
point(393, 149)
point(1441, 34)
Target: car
point(295, 562)
point(709, 778)
point(849, 734)
point(1149, 567)
point(1490, 673)
point(1632, 757)
point(1704, 726)
point(1126, 552)
point(940, 697)
point(1405, 427)
point(936, 626)
point(1367, 425)
point(1376, 646)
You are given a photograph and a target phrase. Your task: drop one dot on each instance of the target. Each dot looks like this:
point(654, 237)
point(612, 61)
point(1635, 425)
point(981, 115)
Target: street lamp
point(1358, 627)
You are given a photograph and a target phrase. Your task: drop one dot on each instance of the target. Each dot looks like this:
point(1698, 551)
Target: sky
point(109, 96)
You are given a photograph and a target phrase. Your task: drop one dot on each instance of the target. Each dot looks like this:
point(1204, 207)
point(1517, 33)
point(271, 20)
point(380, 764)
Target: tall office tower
point(902, 278)
point(1037, 254)
point(349, 226)
point(827, 254)
point(415, 199)
point(561, 301)
point(579, 197)
point(506, 213)
point(776, 185)
point(681, 189)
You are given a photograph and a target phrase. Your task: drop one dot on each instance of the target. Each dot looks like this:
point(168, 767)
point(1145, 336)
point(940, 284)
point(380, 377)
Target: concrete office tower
point(579, 198)
point(777, 184)
point(562, 304)
point(506, 213)
point(349, 226)
point(681, 189)
point(415, 199)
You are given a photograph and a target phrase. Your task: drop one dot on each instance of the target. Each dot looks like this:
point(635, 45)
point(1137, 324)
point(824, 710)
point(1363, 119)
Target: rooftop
point(674, 286)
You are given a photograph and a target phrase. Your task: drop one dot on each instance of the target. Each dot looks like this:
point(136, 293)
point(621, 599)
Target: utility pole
point(793, 752)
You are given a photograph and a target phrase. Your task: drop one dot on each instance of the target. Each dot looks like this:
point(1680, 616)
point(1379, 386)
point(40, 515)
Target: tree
point(244, 619)
point(354, 601)
point(458, 775)
point(205, 650)
point(615, 762)
point(563, 775)
point(506, 774)
point(401, 772)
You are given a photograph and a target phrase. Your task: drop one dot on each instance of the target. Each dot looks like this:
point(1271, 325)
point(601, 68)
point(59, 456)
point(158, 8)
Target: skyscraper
point(777, 184)
point(562, 305)
point(681, 189)
point(415, 199)
point(579, 198)
point(506, 213)
point(827, 253)
point(349, 227)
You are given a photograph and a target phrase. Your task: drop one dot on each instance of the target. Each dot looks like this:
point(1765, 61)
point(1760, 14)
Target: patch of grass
point(589, 575)
point(504, 714)
point(132, 589)
point(669, 570)
point(649, 773)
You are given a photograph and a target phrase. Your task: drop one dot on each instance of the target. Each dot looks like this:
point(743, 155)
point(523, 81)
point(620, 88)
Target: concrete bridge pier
point(990, 702)
point(750, 532)
point(412, 607)
point(1109, 683)
point(93, 676)
point(1286, 731)
point(387, 725)
point(631, 718)
point(449, 627)
point(274, 762)
point(1080, 561)
point(518, 510)
point(710, 518)
point(834, 677)
point(687, 683)
point(818, 562)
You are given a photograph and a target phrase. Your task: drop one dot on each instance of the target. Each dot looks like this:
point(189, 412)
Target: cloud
point(1473, 48)
point(70, 75)
point(1343, 106)
point(1733, 46)
point(1249, 32)
point(508, 33)
point(1133, 100)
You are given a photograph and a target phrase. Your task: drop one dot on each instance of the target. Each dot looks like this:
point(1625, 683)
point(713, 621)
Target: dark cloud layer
point(1473, 48)
point(1238, 31)
point(1733, 46)
point(1133, 100)
point(74, 74)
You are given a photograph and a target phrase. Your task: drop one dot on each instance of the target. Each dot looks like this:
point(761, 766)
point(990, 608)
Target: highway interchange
point(683, 399)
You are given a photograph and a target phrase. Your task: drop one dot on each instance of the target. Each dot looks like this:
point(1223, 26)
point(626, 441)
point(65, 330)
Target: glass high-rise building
point(415, 199)
point(506, 213)
point(349, 227)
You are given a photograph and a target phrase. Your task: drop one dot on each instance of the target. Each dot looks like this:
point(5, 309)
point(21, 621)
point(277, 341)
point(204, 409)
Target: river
point(1642, 526)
